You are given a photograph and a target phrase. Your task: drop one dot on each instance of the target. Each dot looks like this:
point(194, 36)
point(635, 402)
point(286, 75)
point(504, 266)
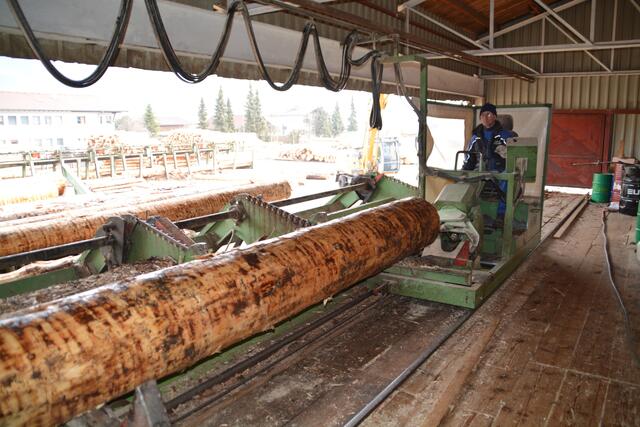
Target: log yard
point(464, 251)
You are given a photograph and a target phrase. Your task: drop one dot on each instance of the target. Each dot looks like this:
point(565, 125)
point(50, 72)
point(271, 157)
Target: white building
point(36, 121)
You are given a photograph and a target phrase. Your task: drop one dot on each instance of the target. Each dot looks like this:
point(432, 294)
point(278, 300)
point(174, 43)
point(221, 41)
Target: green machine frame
point(248, 219)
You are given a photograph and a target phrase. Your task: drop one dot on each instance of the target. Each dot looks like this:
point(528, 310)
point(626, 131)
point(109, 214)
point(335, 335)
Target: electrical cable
point(173, 62)
point(107, 59)
point(627, 323)
point(309, 30)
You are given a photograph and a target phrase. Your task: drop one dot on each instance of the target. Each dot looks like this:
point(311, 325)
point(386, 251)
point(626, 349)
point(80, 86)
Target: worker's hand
point(501, 150)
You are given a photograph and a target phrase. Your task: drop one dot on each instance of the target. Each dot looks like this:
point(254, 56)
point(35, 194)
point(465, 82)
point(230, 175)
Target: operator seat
point(506, 120)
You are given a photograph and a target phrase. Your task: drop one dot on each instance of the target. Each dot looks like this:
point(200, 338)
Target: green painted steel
point(638, 225)
point(448, 293)
point(601, 187)
point(41, 281)
point(449, 275)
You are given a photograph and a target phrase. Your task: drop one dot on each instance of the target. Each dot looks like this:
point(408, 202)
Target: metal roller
point(60, 359)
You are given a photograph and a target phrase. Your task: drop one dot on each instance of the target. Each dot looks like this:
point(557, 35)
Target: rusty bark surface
point(28, 237)
point(62, 358)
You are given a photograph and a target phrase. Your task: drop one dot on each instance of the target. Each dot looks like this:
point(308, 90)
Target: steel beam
point(533, 19)
point(563, 21)
point(613, 29)
point(467, 39)
point(409, 4)
point(89, 22)
point(620, 44)
point(575, 74)
point(374, 27)
point(491, 22)
point(592, 23)
point(570, 37)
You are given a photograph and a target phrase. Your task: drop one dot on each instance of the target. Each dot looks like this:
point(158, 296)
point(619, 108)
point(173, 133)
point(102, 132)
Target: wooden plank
point(532, 398)
point(554, 223)
point(580, 401)
point(468, 419)
point(463, 367)
point(622, 407)
point(565, 226)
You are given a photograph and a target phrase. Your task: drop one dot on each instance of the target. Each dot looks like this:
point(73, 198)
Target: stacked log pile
point(70, 355)
point(105, 144)
point(20, 190)
point(60, 228)
point(306, 154)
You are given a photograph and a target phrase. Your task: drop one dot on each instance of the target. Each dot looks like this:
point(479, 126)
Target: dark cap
point(489, 107)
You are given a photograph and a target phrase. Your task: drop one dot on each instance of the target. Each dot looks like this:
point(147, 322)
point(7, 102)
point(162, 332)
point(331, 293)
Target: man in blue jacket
point(490, 139)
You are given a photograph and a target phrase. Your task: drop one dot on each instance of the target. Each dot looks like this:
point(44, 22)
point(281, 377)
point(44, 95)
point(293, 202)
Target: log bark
point(60, 359)
point(79, 205)
point(31, 236)
point(20, 190)
point(37, 268)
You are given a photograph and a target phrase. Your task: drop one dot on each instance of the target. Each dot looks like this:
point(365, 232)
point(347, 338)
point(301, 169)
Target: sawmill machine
point(475, 250)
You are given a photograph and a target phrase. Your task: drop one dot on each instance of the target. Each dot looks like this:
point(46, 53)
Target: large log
point(20, 190)
point(31, 236)
point(60, 359)
point(79, 205)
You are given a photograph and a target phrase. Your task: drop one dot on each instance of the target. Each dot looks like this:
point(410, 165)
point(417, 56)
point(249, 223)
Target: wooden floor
point(548, 348)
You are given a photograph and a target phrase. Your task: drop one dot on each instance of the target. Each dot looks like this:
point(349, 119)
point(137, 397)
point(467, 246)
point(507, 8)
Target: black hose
point(107, 59)
point(169, 53)
point(173, 62)
point(309, 30)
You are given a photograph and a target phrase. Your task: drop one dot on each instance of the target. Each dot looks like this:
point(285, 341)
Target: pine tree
point(353, 123)
point(253, 119)
point(336, 122)
point(249, 112)
point(220, 114)
point(202, 115)
point(228, 123)
point(320, 123)
point(261, 128)
point(150, 121)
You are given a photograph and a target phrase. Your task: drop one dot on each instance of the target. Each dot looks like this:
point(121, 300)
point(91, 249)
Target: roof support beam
point(196, 30)
point(531, 20)
point(592, 24)
point(409, 4)
point(613, 29)
point(591, 55)
point(403, 36)
point(468, 39)
point(522, 50)
point(491, 22)
point(635, 4)
point(565, 23)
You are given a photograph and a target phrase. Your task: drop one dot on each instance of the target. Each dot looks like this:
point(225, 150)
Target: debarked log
point(43, 234)
point(62, 358)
